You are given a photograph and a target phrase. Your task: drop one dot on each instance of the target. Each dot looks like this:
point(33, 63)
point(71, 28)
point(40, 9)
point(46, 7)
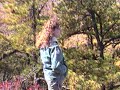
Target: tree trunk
point(97, 33)
point(111, 86)
point(103, 87)
point(90, 41)
point(113, 49)
point(4, 76)
point(34, 24)
point(101, 46)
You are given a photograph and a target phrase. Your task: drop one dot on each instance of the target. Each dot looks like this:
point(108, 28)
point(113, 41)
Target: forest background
point(90, 40)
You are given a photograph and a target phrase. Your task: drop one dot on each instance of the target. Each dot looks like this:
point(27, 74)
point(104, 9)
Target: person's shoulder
point(44, 48)
point(55, 48)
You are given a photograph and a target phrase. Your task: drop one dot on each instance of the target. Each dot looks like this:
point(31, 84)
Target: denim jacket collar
point(53, 41)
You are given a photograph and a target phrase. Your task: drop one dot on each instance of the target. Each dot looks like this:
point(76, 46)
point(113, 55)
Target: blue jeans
point(55, 84)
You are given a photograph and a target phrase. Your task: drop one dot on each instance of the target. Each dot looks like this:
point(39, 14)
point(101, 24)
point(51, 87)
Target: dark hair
point(55, 26)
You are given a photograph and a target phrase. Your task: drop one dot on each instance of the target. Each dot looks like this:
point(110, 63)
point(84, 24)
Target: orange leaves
point(117, 63)
point(37, 44)
point(75, 41)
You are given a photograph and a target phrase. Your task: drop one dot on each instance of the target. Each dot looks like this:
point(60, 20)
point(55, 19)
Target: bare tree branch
point(110, 27)
point(77, 32)
point(5, 55)
point(92, 13)
point(111, 39)
point(116, 85)
point(100, 22)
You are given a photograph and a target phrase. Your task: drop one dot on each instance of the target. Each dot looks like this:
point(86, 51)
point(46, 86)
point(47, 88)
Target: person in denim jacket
point(54, 67)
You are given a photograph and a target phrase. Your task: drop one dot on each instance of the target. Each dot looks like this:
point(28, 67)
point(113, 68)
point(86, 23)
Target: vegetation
point(93, 65)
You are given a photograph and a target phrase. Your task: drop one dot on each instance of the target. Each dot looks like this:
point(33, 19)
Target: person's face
point(57, 32)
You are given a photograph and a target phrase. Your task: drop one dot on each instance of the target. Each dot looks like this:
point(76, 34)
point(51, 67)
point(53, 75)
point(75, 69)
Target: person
point(54, 66)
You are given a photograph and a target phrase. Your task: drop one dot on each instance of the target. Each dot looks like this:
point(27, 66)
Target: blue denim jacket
point(53, 61)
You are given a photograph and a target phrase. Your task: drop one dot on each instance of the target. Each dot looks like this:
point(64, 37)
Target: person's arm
point(56, 58)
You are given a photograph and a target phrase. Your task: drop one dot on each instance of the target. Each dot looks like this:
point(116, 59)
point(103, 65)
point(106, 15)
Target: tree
point(19, 23)
point(98, 19)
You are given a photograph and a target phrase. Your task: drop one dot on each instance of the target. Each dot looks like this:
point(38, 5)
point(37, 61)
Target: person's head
point(50, 29)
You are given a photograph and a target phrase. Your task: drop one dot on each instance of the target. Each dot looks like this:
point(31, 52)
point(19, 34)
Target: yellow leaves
point(94, 41)
point(18, 41)
point(10, 1)
point(22, 9)
point(13, 13)
point(79, 82)
point(29, 49)
point(11, 19)
point(117, 63)
point(76, 40)
point(93, 85)
point(110, 77)
point(73, 80)
point(113, 77)
point(117, 75)
point(71, 62)
point(20, 38)
point(2, 37)
point(118, 3)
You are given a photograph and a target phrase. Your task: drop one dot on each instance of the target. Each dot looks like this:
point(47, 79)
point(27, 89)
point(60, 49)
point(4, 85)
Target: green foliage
point(17, 48)
point(96, 18)
point(87, 73)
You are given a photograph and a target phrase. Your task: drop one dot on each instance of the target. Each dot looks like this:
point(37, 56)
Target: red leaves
point(9, 85)
point(35, 87)
point(16, 85)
